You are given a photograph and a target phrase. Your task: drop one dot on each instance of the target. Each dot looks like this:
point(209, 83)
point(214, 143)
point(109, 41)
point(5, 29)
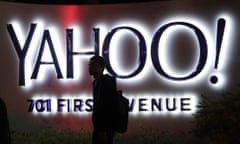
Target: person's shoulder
point(108, 77)
point(2, 102)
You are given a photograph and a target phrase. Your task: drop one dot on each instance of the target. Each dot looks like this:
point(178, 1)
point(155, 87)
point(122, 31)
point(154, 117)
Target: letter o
point(202, 46)
point(142, 52)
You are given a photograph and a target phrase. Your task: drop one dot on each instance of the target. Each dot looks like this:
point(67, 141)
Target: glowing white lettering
point(153, 49)
point(138, 105)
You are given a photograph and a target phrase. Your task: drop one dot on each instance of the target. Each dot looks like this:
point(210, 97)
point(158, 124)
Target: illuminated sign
point(158, 48)
point(40, 49)
point(82, 105)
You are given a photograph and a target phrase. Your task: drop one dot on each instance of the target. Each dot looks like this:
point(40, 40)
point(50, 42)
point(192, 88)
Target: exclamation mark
point(220, 32)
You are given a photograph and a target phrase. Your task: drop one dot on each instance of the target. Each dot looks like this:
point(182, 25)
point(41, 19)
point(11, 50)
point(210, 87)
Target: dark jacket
point(104, 95)
point(4, 125)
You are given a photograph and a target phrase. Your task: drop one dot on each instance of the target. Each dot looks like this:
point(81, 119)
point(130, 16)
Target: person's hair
point(99, 60)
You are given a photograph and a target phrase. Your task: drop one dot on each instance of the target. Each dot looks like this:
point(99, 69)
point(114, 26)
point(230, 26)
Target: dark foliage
point(218, 121)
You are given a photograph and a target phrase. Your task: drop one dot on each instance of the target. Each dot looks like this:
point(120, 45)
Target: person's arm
point(4, 124)
point(107, 102)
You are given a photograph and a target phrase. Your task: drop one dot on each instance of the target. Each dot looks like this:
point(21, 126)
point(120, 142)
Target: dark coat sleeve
point(4, 125)
point(106, 102)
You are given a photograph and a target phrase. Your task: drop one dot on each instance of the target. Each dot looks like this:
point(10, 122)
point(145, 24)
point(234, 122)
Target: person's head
point(96, 66)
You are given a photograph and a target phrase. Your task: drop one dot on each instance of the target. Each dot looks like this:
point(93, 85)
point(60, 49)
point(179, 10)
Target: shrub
point(218, 121)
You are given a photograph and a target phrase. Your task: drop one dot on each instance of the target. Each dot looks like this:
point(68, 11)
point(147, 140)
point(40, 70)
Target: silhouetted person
point(104, 87)
point(4, 125)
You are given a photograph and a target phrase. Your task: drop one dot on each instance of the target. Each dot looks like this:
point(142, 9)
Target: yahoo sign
point(41, 47)
point(205, 48)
